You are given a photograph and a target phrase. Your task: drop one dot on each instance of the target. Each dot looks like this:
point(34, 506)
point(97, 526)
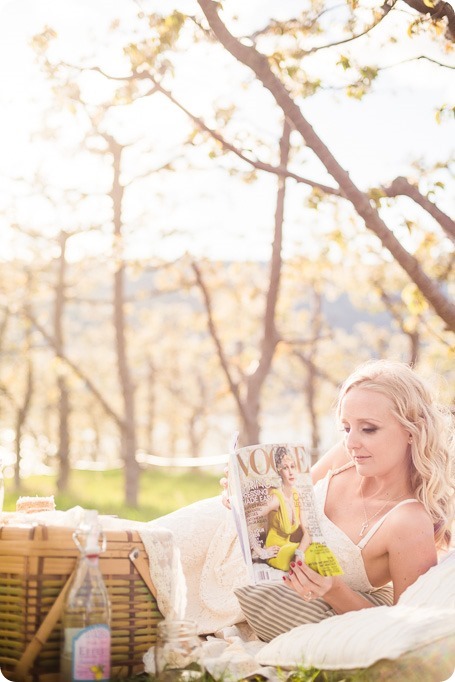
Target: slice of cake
point(31, 505)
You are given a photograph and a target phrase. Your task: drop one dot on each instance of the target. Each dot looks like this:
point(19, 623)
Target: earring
point(410, 440)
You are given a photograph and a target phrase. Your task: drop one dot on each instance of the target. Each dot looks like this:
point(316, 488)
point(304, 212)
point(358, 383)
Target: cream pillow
point(425, 613)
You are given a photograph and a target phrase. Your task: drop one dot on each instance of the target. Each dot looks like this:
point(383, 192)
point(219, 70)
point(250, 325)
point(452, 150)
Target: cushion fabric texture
point(272, 608)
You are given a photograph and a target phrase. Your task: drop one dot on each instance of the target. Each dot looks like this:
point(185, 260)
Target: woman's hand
point(306, 582)
point(224, 482)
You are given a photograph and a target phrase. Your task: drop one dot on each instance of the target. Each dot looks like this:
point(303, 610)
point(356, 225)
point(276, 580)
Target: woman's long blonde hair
point(432, 429)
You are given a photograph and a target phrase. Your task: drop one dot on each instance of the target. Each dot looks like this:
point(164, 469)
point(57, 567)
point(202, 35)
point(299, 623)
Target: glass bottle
point(177, 652)
point(2, 486)
point(86, 619)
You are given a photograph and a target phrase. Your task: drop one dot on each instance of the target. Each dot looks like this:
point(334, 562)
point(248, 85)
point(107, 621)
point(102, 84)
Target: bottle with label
point(86, 619)
point(2, 486)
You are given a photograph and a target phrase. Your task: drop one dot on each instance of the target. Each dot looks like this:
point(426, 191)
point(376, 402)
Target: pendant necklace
point(366, 523)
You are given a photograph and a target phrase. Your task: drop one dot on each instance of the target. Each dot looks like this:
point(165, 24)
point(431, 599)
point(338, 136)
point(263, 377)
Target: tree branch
point(440, 10)
point(402, 186)
point(259, 64)
point(228, 146)
point(76, 369)
point(259, 165)
point(297, 24)
point(216, 339)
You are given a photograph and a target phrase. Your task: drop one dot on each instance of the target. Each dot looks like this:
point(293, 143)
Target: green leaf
point(344, 62)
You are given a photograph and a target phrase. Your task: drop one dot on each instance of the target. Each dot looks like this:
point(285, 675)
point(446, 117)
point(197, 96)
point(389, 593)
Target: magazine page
point(272, 499)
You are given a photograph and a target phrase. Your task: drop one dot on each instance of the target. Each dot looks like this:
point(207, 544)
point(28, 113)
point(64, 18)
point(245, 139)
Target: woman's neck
point(287, 489)
point(385, 488)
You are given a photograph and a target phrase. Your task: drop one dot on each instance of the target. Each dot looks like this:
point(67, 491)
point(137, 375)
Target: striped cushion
point(273, 608)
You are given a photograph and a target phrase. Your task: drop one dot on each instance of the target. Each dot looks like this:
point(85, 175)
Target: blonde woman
point(385, 499)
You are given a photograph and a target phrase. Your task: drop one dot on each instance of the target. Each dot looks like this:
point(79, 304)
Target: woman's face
point(288, 470)
point(374, 437)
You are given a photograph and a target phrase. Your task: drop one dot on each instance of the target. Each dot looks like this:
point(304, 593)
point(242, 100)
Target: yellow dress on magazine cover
point(281, 527)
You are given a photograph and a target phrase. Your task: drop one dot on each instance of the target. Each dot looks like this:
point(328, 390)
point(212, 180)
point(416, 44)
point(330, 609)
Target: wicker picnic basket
point(36, 564)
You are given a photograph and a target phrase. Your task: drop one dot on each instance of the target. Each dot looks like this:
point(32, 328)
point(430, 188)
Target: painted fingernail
point(293, 563)
point(284, 577)
point(299, 563)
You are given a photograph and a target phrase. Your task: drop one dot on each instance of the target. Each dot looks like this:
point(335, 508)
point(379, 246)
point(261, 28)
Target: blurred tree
point(23, 408)
point(64, 400)
point(249, 406)
point(273, 72)
point(277, 352)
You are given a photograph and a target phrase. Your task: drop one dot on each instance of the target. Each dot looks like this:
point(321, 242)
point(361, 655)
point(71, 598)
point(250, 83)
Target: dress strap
point(348, 465)
point(379, 523)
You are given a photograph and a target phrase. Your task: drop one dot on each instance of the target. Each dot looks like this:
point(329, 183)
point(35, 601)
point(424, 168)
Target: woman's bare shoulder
point(334, 458)
point(410, 517)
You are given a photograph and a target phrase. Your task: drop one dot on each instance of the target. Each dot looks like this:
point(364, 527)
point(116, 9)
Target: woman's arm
point(410, 544)
point(334, 458)
point(407, 545)
point(271, 504)
point(306, 537)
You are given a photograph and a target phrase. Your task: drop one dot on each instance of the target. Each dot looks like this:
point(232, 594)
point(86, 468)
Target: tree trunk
point(128, 427)
point(64, 401)
point(151, 405)
point(270, 338)
point(23, 410)
point(249, 407)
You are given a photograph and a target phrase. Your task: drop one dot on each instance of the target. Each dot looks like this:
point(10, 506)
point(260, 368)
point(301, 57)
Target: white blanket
point(210, 560)
point(205, 537)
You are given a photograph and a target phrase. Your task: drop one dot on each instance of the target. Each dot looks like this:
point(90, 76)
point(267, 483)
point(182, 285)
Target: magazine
point(272, 499)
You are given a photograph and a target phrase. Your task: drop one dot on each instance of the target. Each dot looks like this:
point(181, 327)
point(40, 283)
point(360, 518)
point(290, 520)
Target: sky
point(226, 217)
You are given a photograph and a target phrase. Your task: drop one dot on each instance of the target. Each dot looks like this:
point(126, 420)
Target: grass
point(160, 491)
point(300, 675)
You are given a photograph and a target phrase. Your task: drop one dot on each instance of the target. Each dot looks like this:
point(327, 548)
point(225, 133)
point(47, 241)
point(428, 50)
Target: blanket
point(205, 540)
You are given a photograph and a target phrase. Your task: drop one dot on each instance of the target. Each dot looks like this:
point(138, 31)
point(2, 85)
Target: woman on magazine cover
point(385, 501)
point(285, 516)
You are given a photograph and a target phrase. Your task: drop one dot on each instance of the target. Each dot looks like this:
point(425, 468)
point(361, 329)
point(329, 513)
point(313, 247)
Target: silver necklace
point(366, 523)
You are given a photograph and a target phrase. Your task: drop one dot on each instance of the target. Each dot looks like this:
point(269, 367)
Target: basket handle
point(42, 634)
point(143, 568)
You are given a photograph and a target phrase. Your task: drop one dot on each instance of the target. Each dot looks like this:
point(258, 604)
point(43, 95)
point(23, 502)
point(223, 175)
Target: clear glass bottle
point(177, 652)
point(2, 486)
point(86, 619)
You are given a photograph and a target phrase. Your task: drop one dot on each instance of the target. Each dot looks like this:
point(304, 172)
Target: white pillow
point(435, 588)
point(360, 638)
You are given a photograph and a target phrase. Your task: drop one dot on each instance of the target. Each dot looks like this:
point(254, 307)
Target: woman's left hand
point(306, 582)
point(224, 483)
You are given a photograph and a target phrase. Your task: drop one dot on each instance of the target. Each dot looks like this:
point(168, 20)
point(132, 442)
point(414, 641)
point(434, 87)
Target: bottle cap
point(93, 530)
point(88, 534)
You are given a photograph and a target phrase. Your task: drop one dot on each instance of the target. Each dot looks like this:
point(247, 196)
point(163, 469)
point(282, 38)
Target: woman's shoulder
point(409, 523)
point(335, 458)
point(276, 492)
point(410, 513)
point(275, 497)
